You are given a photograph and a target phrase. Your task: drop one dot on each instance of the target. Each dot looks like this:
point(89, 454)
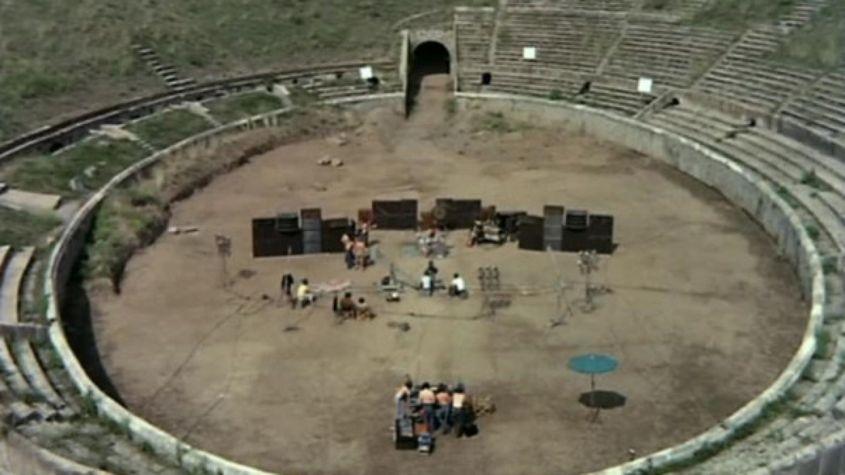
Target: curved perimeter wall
point(743, 189)
point(738, 185)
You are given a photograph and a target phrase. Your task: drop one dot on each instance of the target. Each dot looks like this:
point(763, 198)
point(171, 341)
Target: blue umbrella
point(593, 364)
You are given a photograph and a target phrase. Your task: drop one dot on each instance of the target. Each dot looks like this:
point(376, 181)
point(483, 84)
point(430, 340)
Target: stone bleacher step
point(5, 254)
point(10, 284)
point(31, 369)
point(773, 171)
point(29, 201)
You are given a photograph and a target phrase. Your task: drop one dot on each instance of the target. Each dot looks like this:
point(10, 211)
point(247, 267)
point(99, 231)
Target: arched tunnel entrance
point(427, 59)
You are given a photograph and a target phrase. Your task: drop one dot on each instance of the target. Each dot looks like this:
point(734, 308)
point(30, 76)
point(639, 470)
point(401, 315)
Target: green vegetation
point(91, 163)
point(741, 14)
point(126, 221)
point(496, 122)
point(133, 217)
point(784, 406)
point(241, 106)
point(167, 128)
point(556, 95)
point(810, 179)
point(19, 228)
point(54, 48)
point(663, 5)
point(819, 44)
point(823, 341)
point(829, 265)
point(813, 232)
point(787, 196)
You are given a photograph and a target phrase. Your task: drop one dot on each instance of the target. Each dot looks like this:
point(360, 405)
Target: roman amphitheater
point(144, 331)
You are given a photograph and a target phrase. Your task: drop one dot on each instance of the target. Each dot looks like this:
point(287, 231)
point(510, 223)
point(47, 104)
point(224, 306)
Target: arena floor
point(702, 315)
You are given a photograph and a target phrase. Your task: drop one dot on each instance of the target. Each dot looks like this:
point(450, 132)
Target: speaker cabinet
point(457, 214)
point(268, 241)
point(552, 227)
point(333, 230)
point(601, 233)
point(577, 219)
point(531, 233)
point(396, 214)
point(287, 222)
point(312, 223)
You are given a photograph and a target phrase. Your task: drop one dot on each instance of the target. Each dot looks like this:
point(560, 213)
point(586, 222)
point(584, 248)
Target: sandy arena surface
point(702, 316)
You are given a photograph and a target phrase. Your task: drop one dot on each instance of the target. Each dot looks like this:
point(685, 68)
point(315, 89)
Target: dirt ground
point(702, 315)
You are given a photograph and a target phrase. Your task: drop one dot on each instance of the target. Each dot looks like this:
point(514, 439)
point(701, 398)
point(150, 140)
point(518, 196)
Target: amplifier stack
point(457, 214)
point(601, 233)
point(279, 236)
point(531, 233)
point(576, 231)
point(553, 227)
point(395, 214)
point(558, 229)
point(312, 224)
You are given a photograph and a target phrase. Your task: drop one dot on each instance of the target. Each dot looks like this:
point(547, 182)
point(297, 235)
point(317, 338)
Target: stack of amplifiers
point(457, 214)
point(576, 231)
point(553, 227)
point(601, 233)
point(332, 232)
point(312, 224)
point(278, 236)
point(396, 214)
point(531, 233)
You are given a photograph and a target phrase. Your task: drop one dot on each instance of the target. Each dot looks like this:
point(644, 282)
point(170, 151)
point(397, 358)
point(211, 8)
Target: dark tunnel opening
point(428, 58)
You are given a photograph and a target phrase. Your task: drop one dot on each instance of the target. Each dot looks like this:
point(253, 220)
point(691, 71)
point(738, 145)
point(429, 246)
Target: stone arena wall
point(743, 189)
point(64, 256)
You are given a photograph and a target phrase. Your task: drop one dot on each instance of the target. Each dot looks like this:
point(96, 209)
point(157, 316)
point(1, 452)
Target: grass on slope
point(134, 216)
point(167, 128)
point(102, 158)
point(55, 48)
point(741, 14)
point(241, 106)
point(19, 228)
point(819, 44)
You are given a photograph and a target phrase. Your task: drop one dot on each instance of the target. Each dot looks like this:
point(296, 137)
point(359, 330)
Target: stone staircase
point(166, 72)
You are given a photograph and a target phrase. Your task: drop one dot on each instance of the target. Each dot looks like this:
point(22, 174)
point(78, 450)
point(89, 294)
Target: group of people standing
point(437, 408)
point(357, 248)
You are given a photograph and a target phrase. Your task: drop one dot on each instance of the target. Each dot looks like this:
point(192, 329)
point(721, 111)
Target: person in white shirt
point(458, 287)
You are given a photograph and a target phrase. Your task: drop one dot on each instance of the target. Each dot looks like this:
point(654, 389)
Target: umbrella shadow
point(602, 399)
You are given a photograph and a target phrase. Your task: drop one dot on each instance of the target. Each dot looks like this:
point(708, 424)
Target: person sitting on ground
point(428, 401)
point(363, 311)
point(427, 284)
point(303, 294)
point(458, 287)
point(346, 306)
point(444, 408)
